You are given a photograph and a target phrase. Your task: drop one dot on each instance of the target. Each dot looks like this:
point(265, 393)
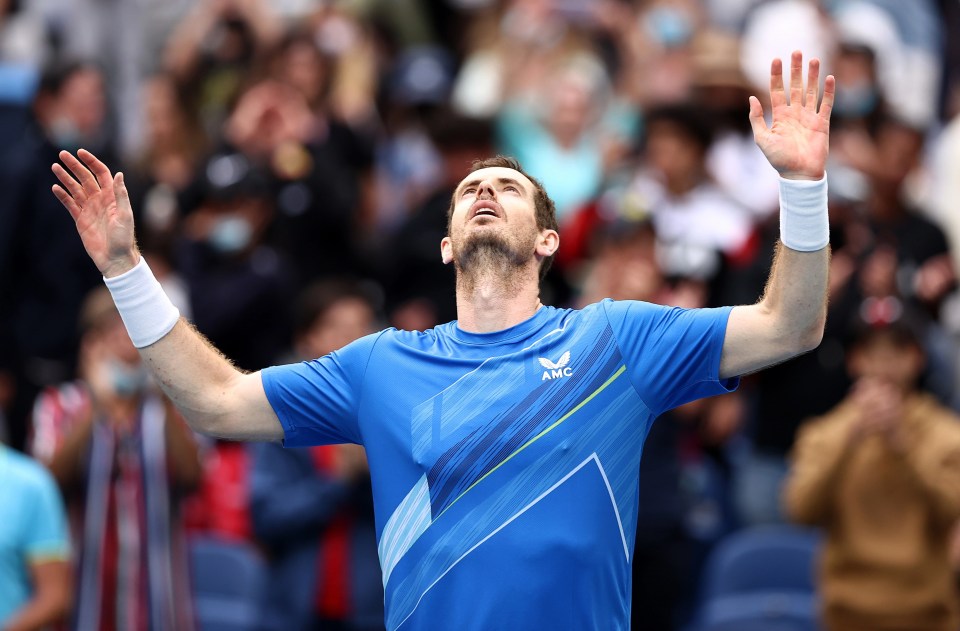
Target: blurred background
point(290, 163)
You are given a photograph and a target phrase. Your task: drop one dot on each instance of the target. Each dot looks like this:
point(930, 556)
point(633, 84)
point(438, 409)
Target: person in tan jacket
point(881, 474)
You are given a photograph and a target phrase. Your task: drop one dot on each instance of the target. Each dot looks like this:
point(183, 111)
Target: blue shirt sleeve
point(46, 536)
point(317, 401)
point(672, 354)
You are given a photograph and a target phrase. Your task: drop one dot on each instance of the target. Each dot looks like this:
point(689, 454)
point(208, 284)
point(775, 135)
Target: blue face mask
point(856, 100)
point(126, 380)
point(669, 26)
point(230, 234)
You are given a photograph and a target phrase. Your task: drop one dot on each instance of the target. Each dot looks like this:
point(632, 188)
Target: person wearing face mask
point(237, 282)
point(123, 459)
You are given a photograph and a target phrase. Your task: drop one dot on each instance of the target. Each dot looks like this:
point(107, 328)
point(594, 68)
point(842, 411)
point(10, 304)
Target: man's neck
point(491, 303)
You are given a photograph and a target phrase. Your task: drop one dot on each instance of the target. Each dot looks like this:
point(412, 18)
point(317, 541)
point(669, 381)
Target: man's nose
point(485, 190)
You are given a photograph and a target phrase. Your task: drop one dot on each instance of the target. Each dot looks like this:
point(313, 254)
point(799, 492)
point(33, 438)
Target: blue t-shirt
point(505, 465)
point(33, 526)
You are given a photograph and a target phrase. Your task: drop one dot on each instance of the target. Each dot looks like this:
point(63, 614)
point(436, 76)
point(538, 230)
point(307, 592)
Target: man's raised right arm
point(213, 395)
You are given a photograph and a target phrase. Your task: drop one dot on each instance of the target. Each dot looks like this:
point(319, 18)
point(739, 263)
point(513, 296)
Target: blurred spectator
point(214, 48)
point(174, 146)
point(420, 292)
point(924, 273)
point(38, 313)
point(557, 138)
point(123, 458)
point(72, 107)
point(775, 28)
point(860, 109)
point(666, 34)
point(733, 159)
point(508, 48)
point(35, 585)
point(562, 81)
point(313, 164)
point(238, 283)
point(907, 43)
point(319, 531)
point(881, 473)
point(24, 37)
point(697, 224)
point(408, 167)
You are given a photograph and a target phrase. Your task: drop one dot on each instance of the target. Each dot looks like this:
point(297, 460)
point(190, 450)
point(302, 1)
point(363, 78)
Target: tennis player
point(504, 446)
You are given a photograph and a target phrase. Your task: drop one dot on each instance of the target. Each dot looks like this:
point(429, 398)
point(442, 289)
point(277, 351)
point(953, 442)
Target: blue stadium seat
point(761, 578)
point(227, 581)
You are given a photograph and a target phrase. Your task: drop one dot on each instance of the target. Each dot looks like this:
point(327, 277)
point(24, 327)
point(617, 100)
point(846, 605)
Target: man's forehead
point(497, 173)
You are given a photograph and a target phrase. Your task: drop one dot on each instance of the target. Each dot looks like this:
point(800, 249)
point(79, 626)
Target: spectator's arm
point(51, 597)
point(67, 461)
point(262, 21)
point(818, 458)
point(934, 457)
point(185, 43)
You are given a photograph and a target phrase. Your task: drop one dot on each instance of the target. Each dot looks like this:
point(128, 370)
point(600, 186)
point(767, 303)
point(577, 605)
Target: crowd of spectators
point(290, 164)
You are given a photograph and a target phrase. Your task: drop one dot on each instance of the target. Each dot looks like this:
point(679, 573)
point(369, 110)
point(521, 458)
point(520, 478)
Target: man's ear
point(446, 251)
point(548, 243)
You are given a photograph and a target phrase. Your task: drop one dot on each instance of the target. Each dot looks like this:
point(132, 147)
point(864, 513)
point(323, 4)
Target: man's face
point(883, 360)
point(494, 214)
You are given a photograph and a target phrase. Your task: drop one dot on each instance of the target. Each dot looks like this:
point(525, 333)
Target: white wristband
point(804, 224)
point(146, 311)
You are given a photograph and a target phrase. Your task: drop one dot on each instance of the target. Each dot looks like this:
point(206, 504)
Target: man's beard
point(489, 255)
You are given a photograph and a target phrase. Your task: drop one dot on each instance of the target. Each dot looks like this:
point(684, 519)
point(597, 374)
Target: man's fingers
point(813, 85)
point(98, 168)
point(829, 92)
point(777, 95)
point(796, 78)
point(68, 182)
point(80, 172)
point(757, 121)
point(120, 191)
point(67, 201)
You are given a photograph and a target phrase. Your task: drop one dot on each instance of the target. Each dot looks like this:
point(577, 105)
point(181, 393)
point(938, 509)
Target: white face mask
point(230, 234)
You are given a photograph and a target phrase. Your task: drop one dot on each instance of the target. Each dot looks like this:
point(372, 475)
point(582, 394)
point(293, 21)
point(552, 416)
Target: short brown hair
point(544, 209)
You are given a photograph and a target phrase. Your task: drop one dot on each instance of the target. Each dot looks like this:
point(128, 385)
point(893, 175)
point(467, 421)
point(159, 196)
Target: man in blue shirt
point(504, 446)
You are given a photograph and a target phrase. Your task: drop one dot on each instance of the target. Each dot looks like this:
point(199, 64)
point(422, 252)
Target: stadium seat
point(227, 579)
point(761, 578)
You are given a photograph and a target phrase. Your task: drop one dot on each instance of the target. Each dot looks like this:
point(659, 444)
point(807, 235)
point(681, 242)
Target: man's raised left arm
point(789, 318)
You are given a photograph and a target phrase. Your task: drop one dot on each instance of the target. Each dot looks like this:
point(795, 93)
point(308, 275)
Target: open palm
point(797, 142)
point(100, 206)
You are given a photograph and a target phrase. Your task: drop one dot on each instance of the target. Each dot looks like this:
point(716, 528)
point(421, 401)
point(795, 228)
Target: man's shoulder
point(926, 407)
point(25, 475)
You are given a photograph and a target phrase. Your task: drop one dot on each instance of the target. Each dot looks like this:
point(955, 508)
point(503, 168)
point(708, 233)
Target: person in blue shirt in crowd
point(35, 582)
point(504, 446)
